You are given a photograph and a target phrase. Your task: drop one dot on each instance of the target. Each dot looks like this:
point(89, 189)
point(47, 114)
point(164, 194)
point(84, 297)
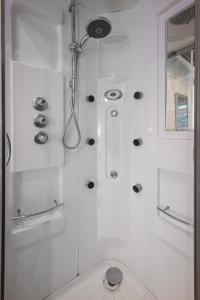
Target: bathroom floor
point(91, 286)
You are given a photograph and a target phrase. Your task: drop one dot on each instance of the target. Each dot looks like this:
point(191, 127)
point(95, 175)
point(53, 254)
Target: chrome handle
point(165, 211)
point(9, 149)
point(19, 217)
point(41, 121)
point(40, 103)
point(41, 138)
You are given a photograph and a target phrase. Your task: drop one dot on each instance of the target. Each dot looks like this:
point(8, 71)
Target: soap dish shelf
point(166, 211)
point(22, 217)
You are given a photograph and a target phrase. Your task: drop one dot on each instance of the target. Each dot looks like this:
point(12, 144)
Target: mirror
point(180, 71)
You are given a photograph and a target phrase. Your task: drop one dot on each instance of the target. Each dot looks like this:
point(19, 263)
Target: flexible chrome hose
point(72, 117)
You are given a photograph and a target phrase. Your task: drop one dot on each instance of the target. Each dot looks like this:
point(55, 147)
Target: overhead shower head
point(99, 27)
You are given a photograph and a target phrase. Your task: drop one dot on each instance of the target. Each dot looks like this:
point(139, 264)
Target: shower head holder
point(75, 46)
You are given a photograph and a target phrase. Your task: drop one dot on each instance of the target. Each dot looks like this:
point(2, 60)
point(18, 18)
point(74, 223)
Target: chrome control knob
point(41, 138)
point(40, 103)
point(41, 121)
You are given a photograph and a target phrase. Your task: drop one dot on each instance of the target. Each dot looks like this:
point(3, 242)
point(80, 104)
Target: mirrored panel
point(180, 71)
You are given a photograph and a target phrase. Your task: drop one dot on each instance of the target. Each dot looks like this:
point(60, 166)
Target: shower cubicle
point(100, 155)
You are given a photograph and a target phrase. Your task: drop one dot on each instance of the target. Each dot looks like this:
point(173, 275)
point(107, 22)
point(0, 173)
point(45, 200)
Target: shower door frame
point(2, 150)
point(197, 159)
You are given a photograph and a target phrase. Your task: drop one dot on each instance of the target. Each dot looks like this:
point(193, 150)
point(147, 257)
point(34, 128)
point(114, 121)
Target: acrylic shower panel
point(36, 82)
point(128, 225)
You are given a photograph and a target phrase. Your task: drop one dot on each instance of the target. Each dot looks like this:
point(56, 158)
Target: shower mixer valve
point(41, 121)
point(41, 138)
point(40, 103)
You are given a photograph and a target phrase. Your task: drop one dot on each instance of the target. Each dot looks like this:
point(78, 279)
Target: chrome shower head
point(184, 17)
point(99, 27)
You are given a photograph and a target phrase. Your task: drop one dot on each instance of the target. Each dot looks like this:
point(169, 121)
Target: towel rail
point(20, 217)
point(166, 211)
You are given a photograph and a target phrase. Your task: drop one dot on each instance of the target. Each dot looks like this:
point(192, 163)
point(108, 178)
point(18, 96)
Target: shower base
point(91, 286)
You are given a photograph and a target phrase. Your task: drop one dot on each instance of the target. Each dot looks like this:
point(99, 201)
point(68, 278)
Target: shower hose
point(72, 117)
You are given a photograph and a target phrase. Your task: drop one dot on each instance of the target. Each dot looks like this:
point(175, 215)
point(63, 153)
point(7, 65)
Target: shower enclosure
point(98, 121)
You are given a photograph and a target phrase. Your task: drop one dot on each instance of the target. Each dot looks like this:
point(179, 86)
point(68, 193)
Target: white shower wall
point(110, 221)
point(128, 227)
point(41, 253)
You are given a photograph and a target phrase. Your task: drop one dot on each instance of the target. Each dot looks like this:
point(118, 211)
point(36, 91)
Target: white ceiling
point(106, 6)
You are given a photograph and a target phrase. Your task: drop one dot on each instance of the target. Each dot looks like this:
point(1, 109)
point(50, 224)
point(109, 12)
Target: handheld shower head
point(97, 28)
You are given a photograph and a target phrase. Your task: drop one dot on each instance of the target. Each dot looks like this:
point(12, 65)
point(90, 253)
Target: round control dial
point(41, 121)
point(41, 138)
point(40, 103)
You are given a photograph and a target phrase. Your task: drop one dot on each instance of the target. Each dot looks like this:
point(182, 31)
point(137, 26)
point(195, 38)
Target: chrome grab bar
point(19, 217)
point(165, 211)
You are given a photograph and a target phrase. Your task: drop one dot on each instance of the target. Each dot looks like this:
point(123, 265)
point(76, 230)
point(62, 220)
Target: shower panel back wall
point(128, 227)
point(114, 223)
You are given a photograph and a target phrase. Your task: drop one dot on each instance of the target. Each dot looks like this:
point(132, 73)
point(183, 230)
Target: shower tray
point(91, 286)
